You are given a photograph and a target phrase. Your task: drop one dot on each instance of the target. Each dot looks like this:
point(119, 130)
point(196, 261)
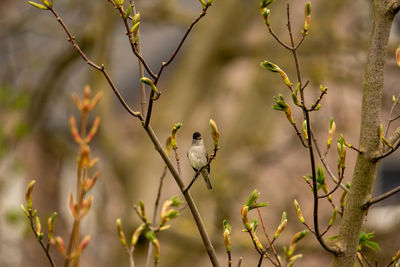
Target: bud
point(332, 128)
point(281, 227)
point(72, 206)
point(342, 152)
point(265, 12)
point(245, 219)
point(136, 18)
point(305, 129)
point(135, 32)
point(38, 5)
point(298, 236)
point(265, 3)
point(128, 11)
point(28, 193)
point(50, 224)
point(84, 243)
point(176, 201)
point(320, 177)
point(393, 98)
point(141, 209)
point(58, 242)
point(121, 232)
point(149, 82)
point(93, 130)
point(168, 145)
point(298, 211)
point(274, 68)
point(288, 113)
point(398, 56)
point(257, 242)
point(227, 233)
point(136, 234)
point(25, 211)
point(74, 130)
point(38, 227)
point(175, 129)
point(96, 99)
point(307, 11)
point(333, 218)
point(214, 132)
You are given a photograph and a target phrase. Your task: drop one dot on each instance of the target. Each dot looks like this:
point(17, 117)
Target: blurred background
point(216, 75)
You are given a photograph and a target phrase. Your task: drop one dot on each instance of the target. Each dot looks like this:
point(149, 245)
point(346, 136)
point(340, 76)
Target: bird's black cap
point(196, 136)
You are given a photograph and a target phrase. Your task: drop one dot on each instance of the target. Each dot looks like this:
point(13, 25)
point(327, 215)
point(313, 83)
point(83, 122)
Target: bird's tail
point(206, 177)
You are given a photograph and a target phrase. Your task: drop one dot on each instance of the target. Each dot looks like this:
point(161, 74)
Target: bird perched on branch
point(198, 158)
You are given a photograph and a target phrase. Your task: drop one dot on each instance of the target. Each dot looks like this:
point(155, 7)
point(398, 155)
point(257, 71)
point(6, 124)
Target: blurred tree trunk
point(371, 118)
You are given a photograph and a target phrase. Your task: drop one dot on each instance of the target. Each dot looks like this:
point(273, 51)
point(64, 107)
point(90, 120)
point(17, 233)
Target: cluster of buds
point(289, 251)
point(251, 227)
point(81, 208)
point(171, 142)
point(275, 68)
point(307, 11)
point(205, 4)
point(214, 133)
point(281, 105)
point(168, 213)
point(46, 4)
point(135, 24)
point(264, 10)
point(332, 128)
point(156, 93)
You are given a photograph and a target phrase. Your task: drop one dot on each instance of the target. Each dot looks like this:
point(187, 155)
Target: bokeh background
point(216, 75)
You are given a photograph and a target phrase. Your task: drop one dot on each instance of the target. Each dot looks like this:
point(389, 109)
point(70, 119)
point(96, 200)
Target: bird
point(198, 158)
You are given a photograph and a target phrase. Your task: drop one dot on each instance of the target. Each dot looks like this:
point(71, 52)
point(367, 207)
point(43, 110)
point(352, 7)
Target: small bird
point(198, 157)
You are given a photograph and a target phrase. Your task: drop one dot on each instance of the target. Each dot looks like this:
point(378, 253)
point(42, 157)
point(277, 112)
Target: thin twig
point(299, 135)
point(240, 261)
point(267, 237)
point(156, 205)
point(315, 105)
point(45, 248)
point(229, 258)
point(101, 68)
point(141, 71)
point(336, 186)
point(165, 64)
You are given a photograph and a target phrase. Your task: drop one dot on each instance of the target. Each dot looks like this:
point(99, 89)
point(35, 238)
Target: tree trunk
point(371, 118)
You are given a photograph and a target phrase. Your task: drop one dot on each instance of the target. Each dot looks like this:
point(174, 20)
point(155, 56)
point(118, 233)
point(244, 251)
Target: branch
point(165, 64)
point(381, 197)
point(326, 166)
point(101, 68)
point(45, 248)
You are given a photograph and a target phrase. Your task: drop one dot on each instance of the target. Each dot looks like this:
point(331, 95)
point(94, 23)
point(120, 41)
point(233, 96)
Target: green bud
point(42, 7)
point(214, 132)
point(128, 12)
point(305, 129)
point(265, 3)
point(28, 193)
point(298, 236)
point(121, 232)
point(136, 234)
point(333, 217)
point(298, 211)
